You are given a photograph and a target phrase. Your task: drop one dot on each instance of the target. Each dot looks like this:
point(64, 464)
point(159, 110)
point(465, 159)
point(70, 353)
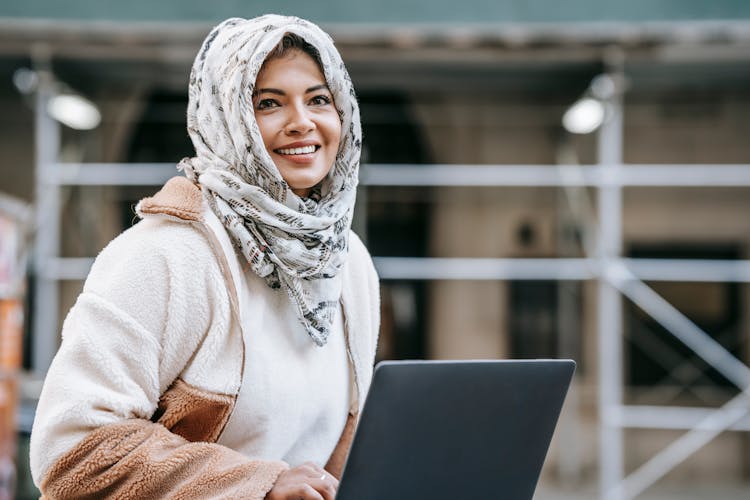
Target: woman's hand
point(304, 482)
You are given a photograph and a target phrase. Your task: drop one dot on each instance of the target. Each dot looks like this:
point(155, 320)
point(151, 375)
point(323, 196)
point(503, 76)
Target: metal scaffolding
point(616, 276)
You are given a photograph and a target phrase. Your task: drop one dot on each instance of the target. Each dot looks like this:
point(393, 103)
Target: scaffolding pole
point(610, 314)
point(47, 226)
point(660, 464)
point(712, 423)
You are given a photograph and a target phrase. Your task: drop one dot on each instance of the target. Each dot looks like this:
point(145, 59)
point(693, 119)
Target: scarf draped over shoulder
point(297, 244)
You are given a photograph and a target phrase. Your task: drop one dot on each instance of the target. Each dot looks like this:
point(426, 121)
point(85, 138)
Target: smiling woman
point(208, 356)
point(296, 116)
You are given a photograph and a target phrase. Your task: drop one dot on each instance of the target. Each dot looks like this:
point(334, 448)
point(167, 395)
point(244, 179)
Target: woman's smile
point(302, 152)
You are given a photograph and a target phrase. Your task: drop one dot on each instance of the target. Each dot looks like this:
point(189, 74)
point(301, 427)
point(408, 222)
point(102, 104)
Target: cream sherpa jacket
point(151, 364)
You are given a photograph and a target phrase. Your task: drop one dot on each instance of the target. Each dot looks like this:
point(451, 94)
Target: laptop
point(440, 430)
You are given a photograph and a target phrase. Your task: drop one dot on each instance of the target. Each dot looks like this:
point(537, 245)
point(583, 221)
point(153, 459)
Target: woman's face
point(297, 119)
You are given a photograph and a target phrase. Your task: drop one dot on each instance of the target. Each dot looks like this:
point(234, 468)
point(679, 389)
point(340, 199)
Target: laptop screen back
point(455, 429)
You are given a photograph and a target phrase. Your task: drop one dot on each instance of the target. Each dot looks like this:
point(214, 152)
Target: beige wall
point(468, 319)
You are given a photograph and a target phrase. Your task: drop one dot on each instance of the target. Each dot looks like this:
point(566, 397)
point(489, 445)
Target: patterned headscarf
point(298, 244)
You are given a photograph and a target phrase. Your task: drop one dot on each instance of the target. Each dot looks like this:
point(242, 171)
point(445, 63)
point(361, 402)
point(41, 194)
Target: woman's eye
point(320, 100)
point(266, 103)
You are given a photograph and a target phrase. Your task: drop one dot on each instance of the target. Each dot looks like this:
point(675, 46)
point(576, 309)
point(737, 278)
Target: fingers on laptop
point(320, 480)
point(304, 482)
point(326, 485)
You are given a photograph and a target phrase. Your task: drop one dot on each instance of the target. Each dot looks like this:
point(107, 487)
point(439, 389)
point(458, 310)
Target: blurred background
point(540, 179)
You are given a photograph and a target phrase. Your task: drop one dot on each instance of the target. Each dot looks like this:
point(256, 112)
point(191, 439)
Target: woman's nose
point(299, 120)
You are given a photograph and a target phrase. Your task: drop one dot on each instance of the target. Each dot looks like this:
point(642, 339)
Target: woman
point(223, 346)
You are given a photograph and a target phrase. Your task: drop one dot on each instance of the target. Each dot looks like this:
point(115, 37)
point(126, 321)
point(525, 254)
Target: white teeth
point(297, 151)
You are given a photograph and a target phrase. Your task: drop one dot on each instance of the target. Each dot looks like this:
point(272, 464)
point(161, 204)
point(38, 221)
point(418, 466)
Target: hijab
point(296, 244)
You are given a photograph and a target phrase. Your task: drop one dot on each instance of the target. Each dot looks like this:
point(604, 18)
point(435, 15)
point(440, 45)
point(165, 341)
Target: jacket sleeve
point(154, 294)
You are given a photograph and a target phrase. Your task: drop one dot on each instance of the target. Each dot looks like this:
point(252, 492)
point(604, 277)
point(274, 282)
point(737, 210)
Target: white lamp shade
point(584, 116)
point(75, 111)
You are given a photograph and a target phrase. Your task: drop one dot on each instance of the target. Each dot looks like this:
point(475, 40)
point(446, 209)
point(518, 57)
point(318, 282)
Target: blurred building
point(468, 175)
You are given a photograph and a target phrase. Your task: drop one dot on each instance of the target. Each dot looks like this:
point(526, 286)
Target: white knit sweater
point(295, 396)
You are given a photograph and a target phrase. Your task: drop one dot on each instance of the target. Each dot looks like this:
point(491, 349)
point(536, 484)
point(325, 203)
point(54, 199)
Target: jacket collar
point(178, 197)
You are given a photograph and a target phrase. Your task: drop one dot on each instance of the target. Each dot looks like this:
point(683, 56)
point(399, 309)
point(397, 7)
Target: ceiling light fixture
point(74, 110)
point(65, 105)
point(588, 113)
point(584, 116)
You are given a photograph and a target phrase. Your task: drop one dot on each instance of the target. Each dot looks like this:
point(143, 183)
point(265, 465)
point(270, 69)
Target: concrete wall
point(469, 319)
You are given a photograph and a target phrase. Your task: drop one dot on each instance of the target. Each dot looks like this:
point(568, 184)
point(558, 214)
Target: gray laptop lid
point(439, 430)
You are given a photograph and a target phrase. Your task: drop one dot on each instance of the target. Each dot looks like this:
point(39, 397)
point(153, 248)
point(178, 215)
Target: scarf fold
point(298, 244)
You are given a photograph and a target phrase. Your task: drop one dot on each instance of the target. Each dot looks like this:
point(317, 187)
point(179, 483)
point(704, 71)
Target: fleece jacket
point(152, 361)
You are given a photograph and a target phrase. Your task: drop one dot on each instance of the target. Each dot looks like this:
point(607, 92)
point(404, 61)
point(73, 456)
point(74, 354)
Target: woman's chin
point(303, 183)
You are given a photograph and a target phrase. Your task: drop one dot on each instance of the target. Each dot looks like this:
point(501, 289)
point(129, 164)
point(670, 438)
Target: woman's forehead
point(291, 68)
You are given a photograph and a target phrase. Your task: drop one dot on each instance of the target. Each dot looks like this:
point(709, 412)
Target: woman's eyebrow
point(317, 87)
point(270, 91)
point(281, 92)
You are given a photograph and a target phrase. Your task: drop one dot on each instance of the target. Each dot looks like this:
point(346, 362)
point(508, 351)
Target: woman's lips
point(299, 154)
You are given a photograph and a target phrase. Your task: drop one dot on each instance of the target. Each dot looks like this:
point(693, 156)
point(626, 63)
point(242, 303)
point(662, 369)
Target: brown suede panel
point(141, 459)
point(193, 413)
point(179, 197)
point(335, 465)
